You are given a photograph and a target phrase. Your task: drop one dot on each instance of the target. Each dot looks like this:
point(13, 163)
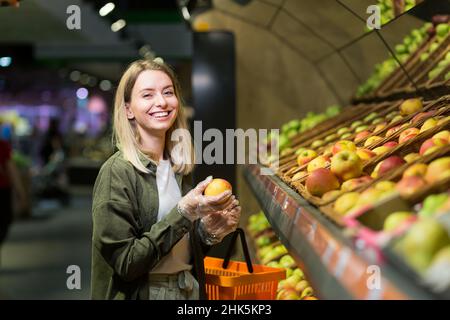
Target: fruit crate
point(398, 78)
point(368, 220)
point(421, 77)
point(289, 161)
point(347, 112)
point(402, 149)
point(351, 113)
point(430, 109)
point(410, 146)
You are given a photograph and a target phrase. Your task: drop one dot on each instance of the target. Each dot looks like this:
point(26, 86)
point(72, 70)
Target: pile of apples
point(441, 66)
point(442, 30)
point(272, 253)
point(416, 177)
point(402, 51)
point(295, 286)
point(328, 175)
point(296, 126)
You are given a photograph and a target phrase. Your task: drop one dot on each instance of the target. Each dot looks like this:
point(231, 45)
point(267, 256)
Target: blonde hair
point(125, 134)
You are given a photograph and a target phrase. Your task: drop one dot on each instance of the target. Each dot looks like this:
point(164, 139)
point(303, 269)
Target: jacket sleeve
point(117, 232)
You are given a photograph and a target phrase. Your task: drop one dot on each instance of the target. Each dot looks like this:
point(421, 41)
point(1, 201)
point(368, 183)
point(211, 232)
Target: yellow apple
point(216, 187)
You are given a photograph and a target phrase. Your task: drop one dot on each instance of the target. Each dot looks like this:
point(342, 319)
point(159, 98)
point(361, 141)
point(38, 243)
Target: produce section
point(272, 253)
point(369, 188)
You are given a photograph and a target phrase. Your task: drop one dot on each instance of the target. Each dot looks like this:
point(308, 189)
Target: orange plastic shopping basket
point(234, 280)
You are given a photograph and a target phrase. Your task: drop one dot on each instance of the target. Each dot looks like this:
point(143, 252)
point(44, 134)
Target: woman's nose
point(161, 101)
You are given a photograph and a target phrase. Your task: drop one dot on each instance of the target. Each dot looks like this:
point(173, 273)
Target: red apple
point(306, 156)
point(422, 115)
point(320, 181)
point(319, 162)
point(365, 154)
point(390, 163)
point(410, 185)
point(410, 133)
point(343, 145)
point(432, 142)
point(390, 144)
point(393, 130)
point(354, 183)
point(362, 135)
point(346, 165)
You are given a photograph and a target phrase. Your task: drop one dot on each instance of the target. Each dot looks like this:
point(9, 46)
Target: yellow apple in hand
point(217, 186)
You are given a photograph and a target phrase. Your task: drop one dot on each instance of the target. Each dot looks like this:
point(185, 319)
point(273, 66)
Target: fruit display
point(377, 184)
point(294, 127)
point(403, 51)
point(272, 253)
point(389, 9)
point(370, 188)
point(423, 55)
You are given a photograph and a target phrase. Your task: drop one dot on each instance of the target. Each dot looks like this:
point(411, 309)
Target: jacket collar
point(151, 165)
point(147, 162)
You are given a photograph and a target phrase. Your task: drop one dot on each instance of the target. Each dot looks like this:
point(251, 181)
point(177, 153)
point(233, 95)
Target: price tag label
point(328, 253)
point(344, 257)
point(312, 231)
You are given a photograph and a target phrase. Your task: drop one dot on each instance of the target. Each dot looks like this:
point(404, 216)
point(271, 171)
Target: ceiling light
point(119, 24)
point(107, 8)
point(105, 85)
point(5, 61)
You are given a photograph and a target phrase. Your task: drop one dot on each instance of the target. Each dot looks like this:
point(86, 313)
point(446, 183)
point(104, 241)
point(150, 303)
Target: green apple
point(395, 219)
point(425, 238)
point(317, 144)
point(361, 128)
point(370, 117)
point(341, 131)
point(287, 262)
point(432, 203)
point(356, 124)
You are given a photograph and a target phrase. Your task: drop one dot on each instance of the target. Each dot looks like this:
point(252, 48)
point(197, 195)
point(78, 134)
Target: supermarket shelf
point(334, 267)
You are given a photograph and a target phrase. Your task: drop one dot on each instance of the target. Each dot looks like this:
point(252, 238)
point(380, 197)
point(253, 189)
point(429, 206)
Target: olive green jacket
point(127, 240)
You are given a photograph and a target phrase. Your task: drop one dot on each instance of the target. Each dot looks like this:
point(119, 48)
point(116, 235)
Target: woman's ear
point(130, 114)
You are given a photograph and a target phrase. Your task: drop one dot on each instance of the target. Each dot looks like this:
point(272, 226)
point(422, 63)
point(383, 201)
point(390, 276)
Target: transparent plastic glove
point(195, 205)
point(216, 225)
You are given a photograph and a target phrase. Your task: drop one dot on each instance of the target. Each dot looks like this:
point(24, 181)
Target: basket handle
point(226, 260)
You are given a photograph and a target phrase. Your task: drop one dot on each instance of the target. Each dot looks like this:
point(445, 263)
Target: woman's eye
point(147, 95)
point(168, 93)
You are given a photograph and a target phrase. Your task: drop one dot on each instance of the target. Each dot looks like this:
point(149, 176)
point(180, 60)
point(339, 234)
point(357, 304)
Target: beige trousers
point(180, 286)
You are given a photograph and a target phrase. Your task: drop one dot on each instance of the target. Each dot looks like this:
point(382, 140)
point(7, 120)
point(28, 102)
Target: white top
point(169, 194)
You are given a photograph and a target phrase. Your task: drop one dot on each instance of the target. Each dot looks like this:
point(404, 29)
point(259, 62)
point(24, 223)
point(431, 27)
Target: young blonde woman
point(146, 222)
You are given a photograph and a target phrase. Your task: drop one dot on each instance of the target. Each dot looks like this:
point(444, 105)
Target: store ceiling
point(315, 29)
point(95, 48)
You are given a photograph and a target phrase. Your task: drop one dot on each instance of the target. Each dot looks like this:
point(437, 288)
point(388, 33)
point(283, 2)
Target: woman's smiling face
point(153, 103)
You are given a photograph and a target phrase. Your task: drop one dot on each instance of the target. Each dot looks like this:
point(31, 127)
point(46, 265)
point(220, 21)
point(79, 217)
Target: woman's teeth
point(160, 114)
